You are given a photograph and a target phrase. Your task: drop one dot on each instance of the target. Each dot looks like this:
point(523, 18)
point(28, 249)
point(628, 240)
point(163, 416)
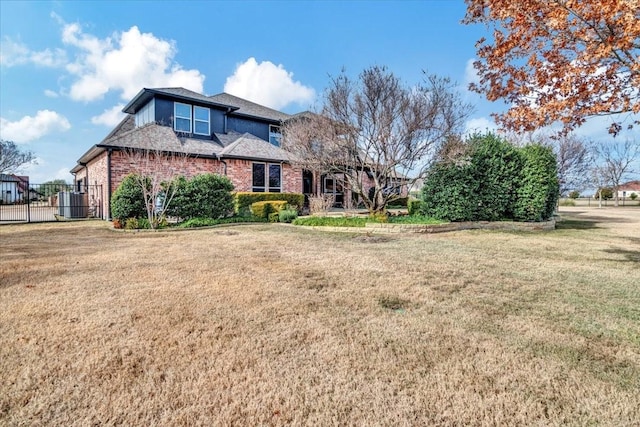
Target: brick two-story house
point(220, 134)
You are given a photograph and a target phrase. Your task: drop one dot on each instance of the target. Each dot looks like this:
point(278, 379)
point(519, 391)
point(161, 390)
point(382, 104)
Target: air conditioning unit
point(72, 205)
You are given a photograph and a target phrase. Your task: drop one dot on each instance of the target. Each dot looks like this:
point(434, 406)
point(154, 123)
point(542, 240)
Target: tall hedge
point(127, 201)
point(449, 192)
point(203, 196)
point(479, 185)
point(539, 188)
point(492, 180)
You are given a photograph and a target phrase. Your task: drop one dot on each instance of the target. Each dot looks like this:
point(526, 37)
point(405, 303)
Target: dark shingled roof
point(248, 146)
point(156, 137)
point(179, 93)
point(248, 108)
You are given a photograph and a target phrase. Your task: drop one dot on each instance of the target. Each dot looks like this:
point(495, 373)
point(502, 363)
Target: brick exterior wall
point(238, 171)
point(241, 174)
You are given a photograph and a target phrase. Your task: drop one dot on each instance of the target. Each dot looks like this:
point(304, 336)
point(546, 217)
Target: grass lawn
point(272, 325)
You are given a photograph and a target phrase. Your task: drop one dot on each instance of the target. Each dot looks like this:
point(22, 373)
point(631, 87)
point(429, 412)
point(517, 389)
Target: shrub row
point(492, 180)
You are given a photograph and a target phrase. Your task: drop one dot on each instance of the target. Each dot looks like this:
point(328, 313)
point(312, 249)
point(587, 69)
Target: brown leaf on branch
point(558, 60)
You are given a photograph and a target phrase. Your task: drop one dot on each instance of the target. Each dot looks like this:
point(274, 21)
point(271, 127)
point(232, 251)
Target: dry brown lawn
point(274, 325)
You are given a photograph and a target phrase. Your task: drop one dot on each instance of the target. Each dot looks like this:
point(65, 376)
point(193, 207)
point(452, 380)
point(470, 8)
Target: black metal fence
point(24, 202)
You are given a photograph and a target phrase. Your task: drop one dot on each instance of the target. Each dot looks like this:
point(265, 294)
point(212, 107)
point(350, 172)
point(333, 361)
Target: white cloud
point(31, 128)
point(470, 73)
point(480, 124)
point(267, 84)
point(125, 62)
point(14, 53)
point(110, 117)
point(50, 93)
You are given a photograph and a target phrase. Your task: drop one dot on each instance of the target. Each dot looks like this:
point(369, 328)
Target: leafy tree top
point(559, 60)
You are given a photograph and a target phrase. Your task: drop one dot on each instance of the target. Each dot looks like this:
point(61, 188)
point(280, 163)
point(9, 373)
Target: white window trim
point(277, 135)
point(266, 188)
point(208, 121)
point(176, 117)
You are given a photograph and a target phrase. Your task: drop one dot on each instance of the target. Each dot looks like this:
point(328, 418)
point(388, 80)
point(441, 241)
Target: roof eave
point(146, 94)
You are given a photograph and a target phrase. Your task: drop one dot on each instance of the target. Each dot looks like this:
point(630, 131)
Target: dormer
point(187, 112)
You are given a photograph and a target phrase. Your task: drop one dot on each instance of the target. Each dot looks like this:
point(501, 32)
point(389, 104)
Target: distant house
point(625, 190)
point(10, 189)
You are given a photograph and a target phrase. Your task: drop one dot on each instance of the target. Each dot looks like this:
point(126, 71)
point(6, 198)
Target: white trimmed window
point(182, 117)
point(267, 177)
point(275, 135)
point(201, 121)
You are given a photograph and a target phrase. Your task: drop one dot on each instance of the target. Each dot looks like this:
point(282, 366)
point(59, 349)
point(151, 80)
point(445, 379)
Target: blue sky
point(67, 68)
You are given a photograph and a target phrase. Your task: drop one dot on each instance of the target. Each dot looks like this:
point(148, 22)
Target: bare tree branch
point(375, 131)
point(12, 159)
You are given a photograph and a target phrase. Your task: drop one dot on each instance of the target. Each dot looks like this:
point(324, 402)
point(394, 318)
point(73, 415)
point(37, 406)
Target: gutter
point(223, 162)
point(108, 207)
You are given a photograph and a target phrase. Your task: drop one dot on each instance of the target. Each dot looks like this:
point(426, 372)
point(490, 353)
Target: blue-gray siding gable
point(242, 125)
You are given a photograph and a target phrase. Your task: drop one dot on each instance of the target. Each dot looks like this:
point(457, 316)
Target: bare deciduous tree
point(155, 172)
point(12, 158)
point(572, 153)
point(613, 163)
point(376, 131)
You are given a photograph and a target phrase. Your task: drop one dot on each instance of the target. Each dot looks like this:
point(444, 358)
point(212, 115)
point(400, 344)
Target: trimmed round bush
point(127, 201)
point(203, 196)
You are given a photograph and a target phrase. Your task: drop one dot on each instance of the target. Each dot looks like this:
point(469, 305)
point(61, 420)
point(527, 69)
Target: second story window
point(275, 135)
point(201, 121)
point(182, 114)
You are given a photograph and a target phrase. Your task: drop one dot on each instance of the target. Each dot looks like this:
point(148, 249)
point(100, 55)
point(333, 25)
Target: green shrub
point(274, 216)
point(633, 196)
point(206, 195)
point(448, 193)
point(244, 200)
point(330, 221)
point(492, 180)
point(401, 202)
point(127, 201)
point(287, 215)
point(567, 202)
point(137, 224)
point(607, 193)
point(538, 188)
point(264, 208)
point(414, 206)
point(574, 194)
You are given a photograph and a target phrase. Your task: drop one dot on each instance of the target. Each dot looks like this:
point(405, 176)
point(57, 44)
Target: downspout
point(221, 161)
point(86, 177)
point(109, 184)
